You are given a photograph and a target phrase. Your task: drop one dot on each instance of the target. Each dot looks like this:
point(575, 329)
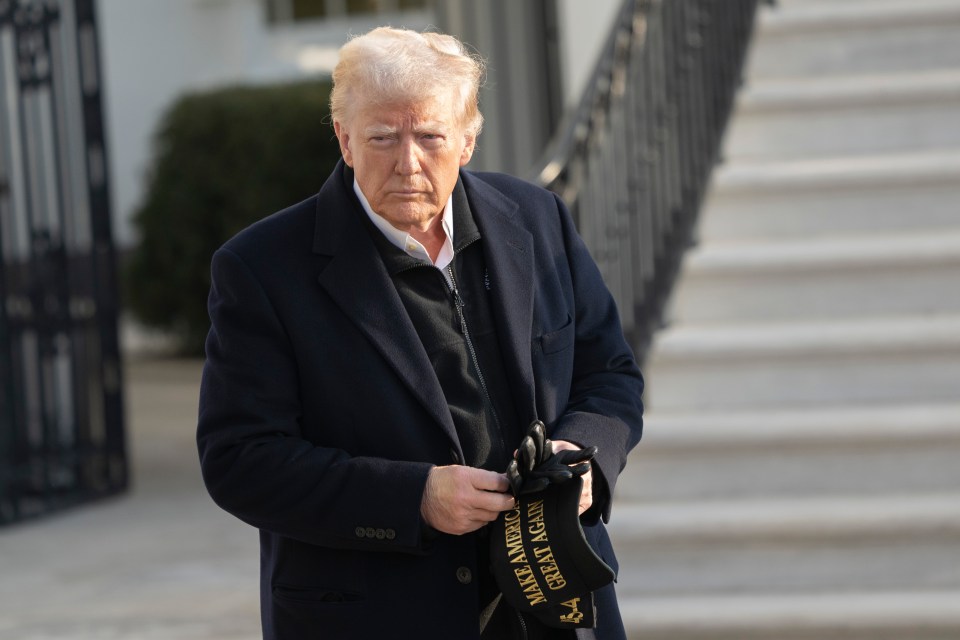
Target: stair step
point(833, 196)
point(658, 570)
point(786, 454)
point(808, 4)
point(783, 429)
point(895, 542)
point(849, 38)
point(851, 615)
point(893, 335)
point(841, 362)
point(867, 469)
point(800, 519)
point(830, 115)
point(823, 278)
point(798, 476)
point(823, 92)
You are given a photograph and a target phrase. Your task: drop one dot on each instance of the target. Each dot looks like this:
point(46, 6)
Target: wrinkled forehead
point(430, 112)
point(438, 105)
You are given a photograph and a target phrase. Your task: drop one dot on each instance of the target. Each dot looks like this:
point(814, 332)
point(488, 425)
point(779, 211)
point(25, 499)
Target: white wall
point(154, 50)
point(584, 26)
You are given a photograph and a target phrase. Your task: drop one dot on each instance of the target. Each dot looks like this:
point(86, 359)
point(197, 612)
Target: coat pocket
point(558, 339)
point(314, 595)
point(553, 370)
point(308, 612)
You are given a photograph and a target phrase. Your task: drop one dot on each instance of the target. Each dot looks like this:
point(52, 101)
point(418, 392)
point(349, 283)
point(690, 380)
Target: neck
point(432, 238)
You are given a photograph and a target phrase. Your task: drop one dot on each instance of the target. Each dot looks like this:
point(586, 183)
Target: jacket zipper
point(459, 305)
point(523, 625)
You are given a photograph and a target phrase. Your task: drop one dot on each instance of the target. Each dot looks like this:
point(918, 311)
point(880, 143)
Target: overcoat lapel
point(508, 249)
point(356, 279)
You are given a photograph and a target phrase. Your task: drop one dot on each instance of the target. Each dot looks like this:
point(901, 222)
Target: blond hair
point(388, 65)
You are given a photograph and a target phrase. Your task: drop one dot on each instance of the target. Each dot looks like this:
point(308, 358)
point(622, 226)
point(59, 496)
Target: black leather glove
point(536, 466)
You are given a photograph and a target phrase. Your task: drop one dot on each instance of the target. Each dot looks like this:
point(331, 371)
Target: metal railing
point(61, 422)
point(633, 161)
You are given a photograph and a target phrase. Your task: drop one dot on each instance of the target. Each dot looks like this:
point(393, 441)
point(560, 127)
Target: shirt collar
point(406, 242)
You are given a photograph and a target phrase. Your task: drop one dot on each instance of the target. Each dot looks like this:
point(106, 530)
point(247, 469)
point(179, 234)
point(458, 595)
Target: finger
point(547, 451)
point(513, 476)
point(469, 525)
point(586, 493)
point(572, 456)
point(553, 472)
point(565, 445)
point(538, 433)
point(580, 469)
point(491, 502)
point(482, 518)
point(528, 455)
point(471, 520)
point(489, 480)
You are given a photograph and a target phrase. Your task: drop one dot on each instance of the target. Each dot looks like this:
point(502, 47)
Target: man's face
point(406, 158)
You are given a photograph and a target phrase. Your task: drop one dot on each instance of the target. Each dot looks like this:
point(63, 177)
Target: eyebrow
point(386, 130)
point(379, 130)
point(431, 126)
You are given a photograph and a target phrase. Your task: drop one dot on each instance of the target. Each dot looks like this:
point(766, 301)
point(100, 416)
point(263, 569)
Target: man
point(377, 352)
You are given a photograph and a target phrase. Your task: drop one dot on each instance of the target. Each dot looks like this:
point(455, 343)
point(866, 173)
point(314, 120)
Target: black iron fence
point(61, 423)
point(634, 160)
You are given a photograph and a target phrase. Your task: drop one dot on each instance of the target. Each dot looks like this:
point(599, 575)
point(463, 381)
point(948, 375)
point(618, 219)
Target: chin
point(405, 216)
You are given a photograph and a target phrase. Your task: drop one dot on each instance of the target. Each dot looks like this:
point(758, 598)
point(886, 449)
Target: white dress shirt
point(408, 243)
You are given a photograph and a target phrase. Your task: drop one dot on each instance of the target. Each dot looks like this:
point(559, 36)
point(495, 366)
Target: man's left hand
point(586, 494)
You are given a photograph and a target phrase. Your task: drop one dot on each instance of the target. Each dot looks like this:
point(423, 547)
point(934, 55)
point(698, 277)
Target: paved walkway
point(161, 562)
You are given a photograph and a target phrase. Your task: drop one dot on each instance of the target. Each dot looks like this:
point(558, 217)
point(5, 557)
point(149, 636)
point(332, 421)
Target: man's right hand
point(460, 499)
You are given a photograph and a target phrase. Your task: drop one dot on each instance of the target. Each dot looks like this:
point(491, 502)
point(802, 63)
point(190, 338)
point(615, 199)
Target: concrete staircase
point(799, 478)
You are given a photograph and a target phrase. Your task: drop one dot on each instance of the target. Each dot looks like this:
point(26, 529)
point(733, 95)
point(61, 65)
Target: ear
point(343, 137)
point(469, 144)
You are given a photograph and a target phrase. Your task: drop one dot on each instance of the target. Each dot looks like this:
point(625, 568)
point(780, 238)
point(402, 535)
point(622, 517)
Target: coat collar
point(357, 280)
point(508, 250)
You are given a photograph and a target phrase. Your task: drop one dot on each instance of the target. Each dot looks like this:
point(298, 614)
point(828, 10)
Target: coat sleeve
point(255, 462)
point(605, 406)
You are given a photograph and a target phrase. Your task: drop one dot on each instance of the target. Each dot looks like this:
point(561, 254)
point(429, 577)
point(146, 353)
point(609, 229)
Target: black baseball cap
point(541, 560)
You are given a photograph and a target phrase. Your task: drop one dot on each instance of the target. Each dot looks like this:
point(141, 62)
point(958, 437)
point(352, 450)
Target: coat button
point(464, 575)
point(390, 533)
point(381, 534)
point(360, 532)
point(371, 532)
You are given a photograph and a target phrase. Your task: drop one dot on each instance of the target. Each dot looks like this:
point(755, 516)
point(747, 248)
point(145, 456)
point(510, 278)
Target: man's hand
point(586, 495)
point(460, 499)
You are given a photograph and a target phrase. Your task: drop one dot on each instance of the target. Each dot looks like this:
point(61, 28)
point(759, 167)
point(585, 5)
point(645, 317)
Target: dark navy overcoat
point(320, 414)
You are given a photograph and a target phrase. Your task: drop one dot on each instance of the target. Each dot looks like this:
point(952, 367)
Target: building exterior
point(540, 53)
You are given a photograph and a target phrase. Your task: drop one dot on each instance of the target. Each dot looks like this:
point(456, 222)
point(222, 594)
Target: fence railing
point(61, 422)
point(634, 160)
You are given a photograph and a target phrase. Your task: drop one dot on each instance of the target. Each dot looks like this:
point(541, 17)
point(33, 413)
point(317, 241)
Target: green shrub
point(223, 160)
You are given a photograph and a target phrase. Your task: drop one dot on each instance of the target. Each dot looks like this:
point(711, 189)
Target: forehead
point(434, 112)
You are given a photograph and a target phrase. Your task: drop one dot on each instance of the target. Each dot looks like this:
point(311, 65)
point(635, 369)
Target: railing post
point(61, 435)
point(634, 160)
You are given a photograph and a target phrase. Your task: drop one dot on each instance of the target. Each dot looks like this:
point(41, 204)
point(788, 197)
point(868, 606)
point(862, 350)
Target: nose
point(408, 162)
